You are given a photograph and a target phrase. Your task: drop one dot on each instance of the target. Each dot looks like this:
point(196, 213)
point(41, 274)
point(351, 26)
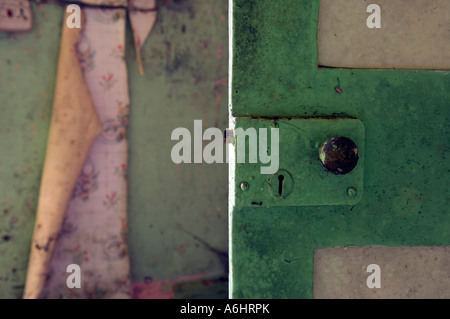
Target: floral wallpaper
point(94, 232)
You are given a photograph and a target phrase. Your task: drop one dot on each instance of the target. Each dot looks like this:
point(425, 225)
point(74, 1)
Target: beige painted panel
point(414, 34)
point(405, 272)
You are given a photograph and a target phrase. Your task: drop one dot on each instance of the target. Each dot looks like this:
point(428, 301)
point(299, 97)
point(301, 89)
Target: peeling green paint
point(406, 116)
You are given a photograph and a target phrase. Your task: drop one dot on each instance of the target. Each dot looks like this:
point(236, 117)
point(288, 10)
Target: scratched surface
point(177, 214)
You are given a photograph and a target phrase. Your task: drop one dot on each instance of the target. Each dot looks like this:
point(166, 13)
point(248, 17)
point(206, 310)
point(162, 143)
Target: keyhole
point(280, 184)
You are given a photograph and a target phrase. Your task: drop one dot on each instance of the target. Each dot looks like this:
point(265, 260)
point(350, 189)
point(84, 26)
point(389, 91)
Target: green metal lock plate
point(301, 179)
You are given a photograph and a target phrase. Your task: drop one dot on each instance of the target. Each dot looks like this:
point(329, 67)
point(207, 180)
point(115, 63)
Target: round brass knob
point(339, 155)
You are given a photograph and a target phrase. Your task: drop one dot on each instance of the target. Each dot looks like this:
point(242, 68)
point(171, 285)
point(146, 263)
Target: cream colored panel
point(414, 34)
point(404, 272)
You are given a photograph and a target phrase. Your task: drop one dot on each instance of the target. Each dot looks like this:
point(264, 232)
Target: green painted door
point(398, 194)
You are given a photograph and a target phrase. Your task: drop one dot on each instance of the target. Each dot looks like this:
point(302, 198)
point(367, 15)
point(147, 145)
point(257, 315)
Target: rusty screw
point(244, 186)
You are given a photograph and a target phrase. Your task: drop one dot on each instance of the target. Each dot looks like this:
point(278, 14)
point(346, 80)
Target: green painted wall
point(28, 64)
point(185, 62)
point(185, 80)
point(406, 184)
